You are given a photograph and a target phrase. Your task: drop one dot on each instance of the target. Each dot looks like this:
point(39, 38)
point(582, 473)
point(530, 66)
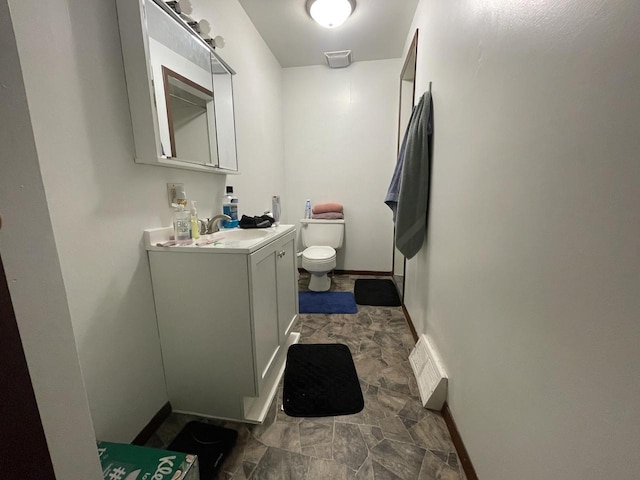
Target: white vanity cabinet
point(225, 322)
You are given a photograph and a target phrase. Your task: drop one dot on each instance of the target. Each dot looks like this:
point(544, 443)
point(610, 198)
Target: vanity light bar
point(211, 43)
point(202, 28)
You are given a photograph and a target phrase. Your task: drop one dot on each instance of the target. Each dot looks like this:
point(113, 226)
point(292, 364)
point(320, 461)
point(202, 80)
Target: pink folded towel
point(327, 207)
point(328, 216)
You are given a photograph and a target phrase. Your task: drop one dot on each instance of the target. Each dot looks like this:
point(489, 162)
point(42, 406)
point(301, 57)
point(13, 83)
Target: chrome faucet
point(213, 225)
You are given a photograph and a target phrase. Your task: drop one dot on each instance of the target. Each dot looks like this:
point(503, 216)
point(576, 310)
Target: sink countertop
point(233, 240)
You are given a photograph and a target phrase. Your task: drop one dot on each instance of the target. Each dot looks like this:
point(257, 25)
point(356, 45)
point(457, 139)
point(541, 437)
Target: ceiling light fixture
point(330, 13)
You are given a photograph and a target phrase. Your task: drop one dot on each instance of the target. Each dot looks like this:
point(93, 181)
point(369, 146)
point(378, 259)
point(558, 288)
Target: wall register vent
point(430, 375)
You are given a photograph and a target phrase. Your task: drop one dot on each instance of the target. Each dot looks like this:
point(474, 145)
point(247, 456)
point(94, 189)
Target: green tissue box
point(130, 462)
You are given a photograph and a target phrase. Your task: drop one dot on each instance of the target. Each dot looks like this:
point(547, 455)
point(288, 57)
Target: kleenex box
point(130, 462)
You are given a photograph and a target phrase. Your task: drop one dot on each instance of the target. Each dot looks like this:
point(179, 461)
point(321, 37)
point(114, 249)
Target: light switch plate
point(171, 191)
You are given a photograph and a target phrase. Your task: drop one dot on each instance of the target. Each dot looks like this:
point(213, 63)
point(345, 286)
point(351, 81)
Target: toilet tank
point(328, 233)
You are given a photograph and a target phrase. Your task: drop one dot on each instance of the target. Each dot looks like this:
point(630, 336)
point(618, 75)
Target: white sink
point(233, 240)
point(240, 234)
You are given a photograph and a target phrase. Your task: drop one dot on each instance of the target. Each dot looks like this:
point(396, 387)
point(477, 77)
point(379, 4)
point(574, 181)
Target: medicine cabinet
point(180, 91)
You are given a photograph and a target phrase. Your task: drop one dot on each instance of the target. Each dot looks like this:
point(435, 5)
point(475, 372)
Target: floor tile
point(402, 459)
point(313, 432)
point(431, 432)
point(279, 464)
point(392, 438)
point(349, 446)
point(321, 469)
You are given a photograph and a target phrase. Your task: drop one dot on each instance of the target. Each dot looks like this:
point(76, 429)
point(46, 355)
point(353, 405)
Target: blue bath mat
point(327, 302)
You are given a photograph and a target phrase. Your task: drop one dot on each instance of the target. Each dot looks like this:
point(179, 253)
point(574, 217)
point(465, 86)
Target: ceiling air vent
point(338, 59)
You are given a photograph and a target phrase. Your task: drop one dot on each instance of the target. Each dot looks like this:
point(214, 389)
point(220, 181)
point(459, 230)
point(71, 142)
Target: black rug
point(212, 445)
point(377, 292)
point(320, 380)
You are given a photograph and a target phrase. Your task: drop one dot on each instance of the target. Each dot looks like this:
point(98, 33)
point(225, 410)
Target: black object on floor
point(212, 445)
point(377, 292)
point(320, 380)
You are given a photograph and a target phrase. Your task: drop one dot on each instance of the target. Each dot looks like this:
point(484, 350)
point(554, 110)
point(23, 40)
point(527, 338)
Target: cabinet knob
point(282, 254)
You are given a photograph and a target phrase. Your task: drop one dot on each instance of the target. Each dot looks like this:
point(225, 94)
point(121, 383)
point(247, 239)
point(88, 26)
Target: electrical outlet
point(172, 188)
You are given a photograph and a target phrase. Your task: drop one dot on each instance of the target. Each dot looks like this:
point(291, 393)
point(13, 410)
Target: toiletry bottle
point(275, 209)
point(230, 207)
point(182, 226)
point(181, 196)
point(307, 209)
point(195, 228)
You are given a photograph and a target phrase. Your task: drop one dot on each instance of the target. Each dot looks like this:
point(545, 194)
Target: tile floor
point(392, 438)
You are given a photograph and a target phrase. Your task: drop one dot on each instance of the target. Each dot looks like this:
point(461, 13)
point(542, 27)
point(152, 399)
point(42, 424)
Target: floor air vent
point(429, 373)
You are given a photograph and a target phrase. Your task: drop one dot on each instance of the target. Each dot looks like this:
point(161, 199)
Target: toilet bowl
point(319, 261)
point(321, 238)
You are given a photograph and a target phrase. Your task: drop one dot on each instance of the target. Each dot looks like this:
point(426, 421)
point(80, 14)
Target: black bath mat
point(377, 292)
point(212, 445)
point(320, 380)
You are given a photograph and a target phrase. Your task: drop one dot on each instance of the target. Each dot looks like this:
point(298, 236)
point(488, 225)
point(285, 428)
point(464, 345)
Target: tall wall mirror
point(407, 101)
point(180, 91)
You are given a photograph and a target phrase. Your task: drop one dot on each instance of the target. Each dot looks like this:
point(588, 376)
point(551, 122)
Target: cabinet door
point(264, 310)
point(287, 284)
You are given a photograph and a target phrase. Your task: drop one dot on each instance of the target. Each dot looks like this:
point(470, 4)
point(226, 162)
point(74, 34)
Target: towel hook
point(429, 87)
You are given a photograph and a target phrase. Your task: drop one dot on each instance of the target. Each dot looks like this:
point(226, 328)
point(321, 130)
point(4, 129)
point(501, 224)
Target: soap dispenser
point(195, 228)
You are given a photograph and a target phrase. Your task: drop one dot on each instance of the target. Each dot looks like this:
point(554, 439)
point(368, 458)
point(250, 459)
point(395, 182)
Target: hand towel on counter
point(328, 216)
point(408, 194)
point(327, 208)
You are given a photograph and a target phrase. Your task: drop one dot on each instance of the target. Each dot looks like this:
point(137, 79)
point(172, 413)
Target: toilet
point(320, 239)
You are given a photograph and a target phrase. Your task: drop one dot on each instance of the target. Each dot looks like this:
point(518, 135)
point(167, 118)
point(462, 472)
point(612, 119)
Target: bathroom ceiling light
point(330, 13)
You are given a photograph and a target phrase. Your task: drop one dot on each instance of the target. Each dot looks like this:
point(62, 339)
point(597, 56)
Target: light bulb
point(218, 41)
point(205, 27)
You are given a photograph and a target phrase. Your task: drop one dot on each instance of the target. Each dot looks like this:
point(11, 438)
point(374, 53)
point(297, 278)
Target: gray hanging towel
point(408, 195)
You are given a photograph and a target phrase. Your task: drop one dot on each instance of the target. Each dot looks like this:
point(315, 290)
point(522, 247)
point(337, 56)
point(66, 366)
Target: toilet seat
point(318, 254)
point(318, 261)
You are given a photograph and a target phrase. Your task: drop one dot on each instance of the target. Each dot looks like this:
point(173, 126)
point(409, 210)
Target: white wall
point(340, 146)
point(531, 273)
point(35, 282)
point(100, 200)
point(257, 91)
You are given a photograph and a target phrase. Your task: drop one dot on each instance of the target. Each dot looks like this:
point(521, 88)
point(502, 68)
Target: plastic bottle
point(275, 208)
point(195, 228)
point(307, 209)
point(181, 196)
point(230, 207)
point(182, 226)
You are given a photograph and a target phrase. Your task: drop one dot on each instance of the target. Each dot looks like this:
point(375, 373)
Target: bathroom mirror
point(190, 118)
point(180, 91)
point(407, 99)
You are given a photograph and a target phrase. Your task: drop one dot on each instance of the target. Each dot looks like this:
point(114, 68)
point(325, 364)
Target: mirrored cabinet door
point(225, 123)
point(180, 91)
